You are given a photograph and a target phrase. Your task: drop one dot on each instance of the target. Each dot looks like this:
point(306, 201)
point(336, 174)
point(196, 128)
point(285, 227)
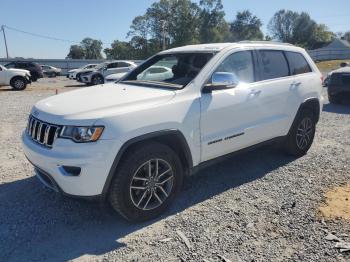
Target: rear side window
point(123, 64)
point(297, 63)
point(273, 64)
point(112, 65)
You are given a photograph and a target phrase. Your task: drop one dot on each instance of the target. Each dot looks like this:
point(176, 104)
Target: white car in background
point(156, 73)
point(17, 78)
point(75, 73)
point(97, 76)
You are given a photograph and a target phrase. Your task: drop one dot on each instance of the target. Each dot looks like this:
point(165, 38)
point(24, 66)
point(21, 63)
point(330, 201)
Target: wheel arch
point(312, 104)
point(172, 138)
point(13, 78)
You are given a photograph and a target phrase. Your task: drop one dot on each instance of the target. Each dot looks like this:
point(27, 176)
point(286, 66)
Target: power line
point(46, 36)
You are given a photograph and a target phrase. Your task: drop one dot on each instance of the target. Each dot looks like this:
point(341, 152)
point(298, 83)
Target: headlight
point(82, 134)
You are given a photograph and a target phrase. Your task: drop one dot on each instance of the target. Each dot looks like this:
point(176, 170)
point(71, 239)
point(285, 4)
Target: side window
point(297, 63)
point(11, 65)
point(123, 64)
point(273, 64)
point(112, 65)
point(241, 64)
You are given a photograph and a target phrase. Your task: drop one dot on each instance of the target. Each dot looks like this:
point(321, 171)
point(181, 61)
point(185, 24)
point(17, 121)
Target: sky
point(108, 20)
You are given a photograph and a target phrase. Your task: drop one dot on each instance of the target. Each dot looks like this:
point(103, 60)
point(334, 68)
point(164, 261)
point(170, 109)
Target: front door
point(229, 117)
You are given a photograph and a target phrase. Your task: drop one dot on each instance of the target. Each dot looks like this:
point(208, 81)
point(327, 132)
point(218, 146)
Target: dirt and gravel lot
point(257, 206)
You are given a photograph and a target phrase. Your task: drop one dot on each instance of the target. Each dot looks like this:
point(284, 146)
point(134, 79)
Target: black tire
point(18, 83)
point(140, 204)
point(333, 99)
point(97, 80)
point(34, 78)
point(301, 134)
point(77, 77)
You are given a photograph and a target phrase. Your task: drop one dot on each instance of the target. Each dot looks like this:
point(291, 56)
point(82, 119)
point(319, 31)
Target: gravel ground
point(257, 206)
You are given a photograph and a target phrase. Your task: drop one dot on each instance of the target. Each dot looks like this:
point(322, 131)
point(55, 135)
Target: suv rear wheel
point(18, 83)
point(146, 182)
point(301, 134)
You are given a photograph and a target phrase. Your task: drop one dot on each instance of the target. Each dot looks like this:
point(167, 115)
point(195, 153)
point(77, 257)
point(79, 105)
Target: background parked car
point(17, 78)
point(155, 73)
point(51, 71)
point(339, 85)
point(75, 73)
point(101, 71)
point(35, 69)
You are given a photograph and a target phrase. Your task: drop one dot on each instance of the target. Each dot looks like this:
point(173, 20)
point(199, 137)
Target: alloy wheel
point(304, 133)
point(19, 84)
point(151, 184)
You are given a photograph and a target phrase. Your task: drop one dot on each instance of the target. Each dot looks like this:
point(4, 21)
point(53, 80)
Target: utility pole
point(3, 31)
point(163, 33)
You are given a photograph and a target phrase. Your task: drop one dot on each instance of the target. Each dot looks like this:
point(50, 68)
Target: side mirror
point(220, 81)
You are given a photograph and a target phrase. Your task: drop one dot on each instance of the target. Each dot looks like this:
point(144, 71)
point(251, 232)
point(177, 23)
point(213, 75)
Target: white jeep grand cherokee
point(132, 142)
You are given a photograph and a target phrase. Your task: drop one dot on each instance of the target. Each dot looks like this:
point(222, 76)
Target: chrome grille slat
point(46, 136)
point(38, 133)
point(42, 132)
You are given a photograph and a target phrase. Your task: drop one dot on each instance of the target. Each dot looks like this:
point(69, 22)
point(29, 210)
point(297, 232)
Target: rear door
point(273, 87)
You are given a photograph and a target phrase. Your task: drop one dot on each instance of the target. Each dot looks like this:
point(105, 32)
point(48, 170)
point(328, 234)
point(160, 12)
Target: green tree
point(139, 33)
point(281, 25)
point(76, 52)
point(346, 36)
point(119, 50)
point(246, 26)
point(212, 24)
point(92, 48)
point(299, 29)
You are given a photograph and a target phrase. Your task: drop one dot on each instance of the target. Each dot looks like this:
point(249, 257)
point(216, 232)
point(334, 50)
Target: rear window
point(297, 63)
point(274, 64)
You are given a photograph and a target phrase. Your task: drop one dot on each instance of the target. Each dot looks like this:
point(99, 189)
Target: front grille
point(41, 132)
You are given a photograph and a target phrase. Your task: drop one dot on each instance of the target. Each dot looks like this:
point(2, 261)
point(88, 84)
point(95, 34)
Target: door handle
point(255, 92)
point(295, 84)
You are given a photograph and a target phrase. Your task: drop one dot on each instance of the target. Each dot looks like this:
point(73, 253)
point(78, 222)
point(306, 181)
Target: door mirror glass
point(221, 80)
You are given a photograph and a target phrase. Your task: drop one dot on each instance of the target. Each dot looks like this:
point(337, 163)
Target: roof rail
point(263, 42)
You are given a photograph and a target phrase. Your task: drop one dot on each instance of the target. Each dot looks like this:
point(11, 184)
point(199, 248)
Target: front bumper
point(85, 79)
point(94, 159)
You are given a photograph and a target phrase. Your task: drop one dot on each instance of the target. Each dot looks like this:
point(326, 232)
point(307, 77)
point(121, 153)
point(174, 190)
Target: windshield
point(169, 70)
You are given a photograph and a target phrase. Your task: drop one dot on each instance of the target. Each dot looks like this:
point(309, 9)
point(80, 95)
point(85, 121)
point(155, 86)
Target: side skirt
point(219, 159)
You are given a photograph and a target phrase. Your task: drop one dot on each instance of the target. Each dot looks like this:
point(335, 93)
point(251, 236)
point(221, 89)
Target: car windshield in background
point(169, 70)
point(101, 66)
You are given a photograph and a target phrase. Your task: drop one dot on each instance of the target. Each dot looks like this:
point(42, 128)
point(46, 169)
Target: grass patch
point(326, 66)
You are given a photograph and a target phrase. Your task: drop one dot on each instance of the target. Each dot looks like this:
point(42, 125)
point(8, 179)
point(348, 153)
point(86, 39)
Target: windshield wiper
point(152, 83)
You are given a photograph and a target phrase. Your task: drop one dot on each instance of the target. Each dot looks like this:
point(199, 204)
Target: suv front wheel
point(301, 134)
point(146, 182)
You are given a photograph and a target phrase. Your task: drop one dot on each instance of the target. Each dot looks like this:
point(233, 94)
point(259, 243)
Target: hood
point(72, 71)
point(92, 103)
point(19, 70)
